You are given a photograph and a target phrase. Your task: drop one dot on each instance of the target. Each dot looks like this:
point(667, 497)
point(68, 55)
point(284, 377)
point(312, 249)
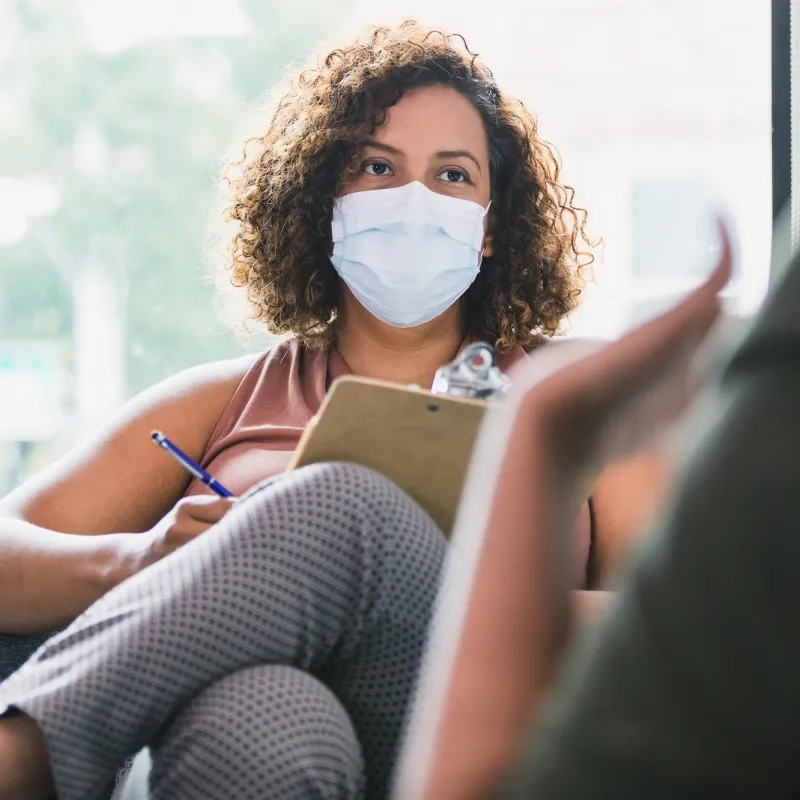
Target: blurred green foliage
point(153, 122)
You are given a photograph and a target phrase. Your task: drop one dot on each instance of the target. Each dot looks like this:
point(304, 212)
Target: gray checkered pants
point(272, 657)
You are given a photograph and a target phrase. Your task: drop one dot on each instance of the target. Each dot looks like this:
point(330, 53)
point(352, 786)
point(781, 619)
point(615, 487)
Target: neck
point(400, 355)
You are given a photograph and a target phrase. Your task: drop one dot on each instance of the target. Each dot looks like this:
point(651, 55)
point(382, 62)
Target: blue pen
point(190, 465)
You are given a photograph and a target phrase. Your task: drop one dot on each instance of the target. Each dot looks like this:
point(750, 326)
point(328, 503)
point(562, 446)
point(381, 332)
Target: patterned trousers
point(274, 656)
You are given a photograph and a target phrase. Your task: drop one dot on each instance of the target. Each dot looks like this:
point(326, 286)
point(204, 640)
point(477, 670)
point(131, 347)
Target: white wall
point(630, 91)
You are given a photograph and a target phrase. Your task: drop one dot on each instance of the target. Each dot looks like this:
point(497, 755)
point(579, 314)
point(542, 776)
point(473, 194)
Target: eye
point(377, 168)
point(453, 175)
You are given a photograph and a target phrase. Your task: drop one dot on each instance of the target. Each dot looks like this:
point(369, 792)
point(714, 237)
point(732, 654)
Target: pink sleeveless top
point(264, 419)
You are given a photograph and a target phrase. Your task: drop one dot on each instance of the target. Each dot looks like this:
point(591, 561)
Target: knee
point(267, 731)
point(336, 499)
point(330, 484)
point(338, 532)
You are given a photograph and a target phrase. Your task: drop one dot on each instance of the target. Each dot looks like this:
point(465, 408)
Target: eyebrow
point(387, 148)
point(459, 154)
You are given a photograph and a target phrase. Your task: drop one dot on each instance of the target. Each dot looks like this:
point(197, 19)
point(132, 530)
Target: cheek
point(350, 187)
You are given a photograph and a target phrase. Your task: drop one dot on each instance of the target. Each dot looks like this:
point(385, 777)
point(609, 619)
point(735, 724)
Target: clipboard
point(420, 440)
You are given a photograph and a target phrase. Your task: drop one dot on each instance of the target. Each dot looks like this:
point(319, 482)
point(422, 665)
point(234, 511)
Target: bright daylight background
point(114, 115)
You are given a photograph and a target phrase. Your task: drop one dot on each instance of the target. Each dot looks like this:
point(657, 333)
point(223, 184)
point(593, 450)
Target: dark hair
point(282, 192)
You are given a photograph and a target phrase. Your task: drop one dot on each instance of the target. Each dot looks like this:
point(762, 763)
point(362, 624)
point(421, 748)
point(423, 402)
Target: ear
point(488, 237)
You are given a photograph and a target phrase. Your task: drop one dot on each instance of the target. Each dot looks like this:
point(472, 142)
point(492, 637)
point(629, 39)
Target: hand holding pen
point(190, 516)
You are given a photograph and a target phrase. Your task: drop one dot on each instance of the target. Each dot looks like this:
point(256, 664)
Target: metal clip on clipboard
point(473, 374)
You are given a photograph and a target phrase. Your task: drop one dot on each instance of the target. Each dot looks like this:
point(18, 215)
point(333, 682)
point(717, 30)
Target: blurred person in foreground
point(397, 206)
point(689, 684)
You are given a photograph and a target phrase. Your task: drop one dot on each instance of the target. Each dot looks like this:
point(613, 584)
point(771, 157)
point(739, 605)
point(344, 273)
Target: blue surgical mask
point(407, 254)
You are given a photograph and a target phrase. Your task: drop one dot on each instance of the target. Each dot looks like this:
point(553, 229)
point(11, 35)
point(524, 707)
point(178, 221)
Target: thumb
point(209, 509)
point(668, 341)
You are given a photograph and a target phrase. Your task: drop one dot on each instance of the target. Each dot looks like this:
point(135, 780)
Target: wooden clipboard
point(420, 440)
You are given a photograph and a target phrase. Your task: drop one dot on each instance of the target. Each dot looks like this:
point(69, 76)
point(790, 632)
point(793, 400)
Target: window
point(116, 116)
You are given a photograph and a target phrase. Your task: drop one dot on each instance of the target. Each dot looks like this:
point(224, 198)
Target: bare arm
point(504, 611)
point(588, 605)
point(627, 498)
point(69, 535)
point(501, 617)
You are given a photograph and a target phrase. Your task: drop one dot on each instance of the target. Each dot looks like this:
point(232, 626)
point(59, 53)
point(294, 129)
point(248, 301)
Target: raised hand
point(615, 401)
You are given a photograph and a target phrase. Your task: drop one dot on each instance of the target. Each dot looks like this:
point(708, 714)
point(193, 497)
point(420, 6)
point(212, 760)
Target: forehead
point(434, 118)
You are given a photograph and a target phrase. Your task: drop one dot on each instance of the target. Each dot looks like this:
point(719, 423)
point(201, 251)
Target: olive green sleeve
point(690, 686)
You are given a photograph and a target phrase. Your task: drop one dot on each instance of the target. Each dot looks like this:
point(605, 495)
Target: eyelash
point(376, 164)
point(466, 178)
point(460, 171)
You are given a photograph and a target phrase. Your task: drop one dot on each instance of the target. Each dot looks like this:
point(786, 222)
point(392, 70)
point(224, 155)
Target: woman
point(398, 206)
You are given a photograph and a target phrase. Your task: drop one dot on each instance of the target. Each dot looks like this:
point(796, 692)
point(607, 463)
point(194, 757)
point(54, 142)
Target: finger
point(723, 270)
point(659, 353)
point(602, 405)
point(184, 531)
point(698, 310)
point(610, 403)
point(670, 339)
point(206, 509)
point(683, 326)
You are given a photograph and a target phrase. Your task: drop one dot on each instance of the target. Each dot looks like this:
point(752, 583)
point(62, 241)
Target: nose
point(416, 217)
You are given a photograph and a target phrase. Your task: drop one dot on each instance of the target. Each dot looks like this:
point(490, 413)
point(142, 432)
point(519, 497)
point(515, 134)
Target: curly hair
point(283, 188)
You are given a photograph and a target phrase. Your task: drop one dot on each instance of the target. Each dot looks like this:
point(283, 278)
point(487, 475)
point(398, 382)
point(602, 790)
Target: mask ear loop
point(485, 212)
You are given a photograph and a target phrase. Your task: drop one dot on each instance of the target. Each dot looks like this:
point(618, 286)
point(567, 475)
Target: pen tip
point(155, 435)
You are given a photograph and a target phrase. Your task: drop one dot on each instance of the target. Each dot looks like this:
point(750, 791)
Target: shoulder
point(564, 343)
point(116, 466)
point(548, 356)
point(566, 348)
point(205, 391)
point(200, 384)
point(284, 353)
point(191, 401)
